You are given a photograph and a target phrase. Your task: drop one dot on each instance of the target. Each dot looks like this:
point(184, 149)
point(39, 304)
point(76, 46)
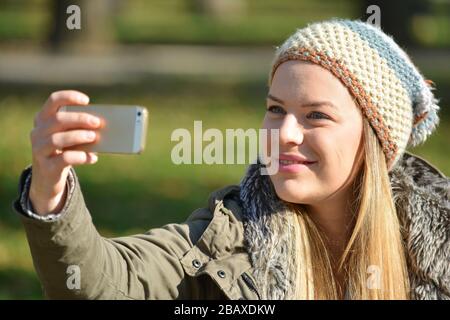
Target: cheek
point(337, 150)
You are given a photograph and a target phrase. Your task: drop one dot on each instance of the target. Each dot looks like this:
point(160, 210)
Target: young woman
point(349, 214)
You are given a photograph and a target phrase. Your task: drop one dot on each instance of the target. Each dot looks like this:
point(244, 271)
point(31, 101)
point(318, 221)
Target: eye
point(276, 110)
point(319, 115)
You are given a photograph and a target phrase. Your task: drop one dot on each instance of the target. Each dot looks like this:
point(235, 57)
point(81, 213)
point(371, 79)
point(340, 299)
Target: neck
point(334, 218)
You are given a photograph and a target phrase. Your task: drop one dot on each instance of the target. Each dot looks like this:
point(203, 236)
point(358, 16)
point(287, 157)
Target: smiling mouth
point(289, 162)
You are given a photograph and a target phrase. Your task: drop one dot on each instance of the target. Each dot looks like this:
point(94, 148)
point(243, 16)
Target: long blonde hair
point(373, 261)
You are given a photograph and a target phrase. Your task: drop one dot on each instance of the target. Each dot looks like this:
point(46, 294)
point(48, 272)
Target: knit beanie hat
point(391, 92)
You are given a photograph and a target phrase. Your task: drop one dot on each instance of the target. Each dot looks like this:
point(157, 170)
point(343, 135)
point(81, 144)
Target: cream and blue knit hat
point(391, 92)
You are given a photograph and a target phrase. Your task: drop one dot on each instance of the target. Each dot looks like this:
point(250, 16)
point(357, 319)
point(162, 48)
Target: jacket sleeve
point(73, 261)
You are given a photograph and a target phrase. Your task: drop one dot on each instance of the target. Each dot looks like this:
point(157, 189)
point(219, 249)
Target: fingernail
point(94, 158)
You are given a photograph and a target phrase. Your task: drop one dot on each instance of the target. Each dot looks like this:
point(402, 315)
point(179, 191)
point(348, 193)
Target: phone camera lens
point(139, 113)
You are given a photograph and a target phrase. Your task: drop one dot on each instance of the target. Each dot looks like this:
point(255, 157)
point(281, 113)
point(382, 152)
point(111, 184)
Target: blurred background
point(184, 60)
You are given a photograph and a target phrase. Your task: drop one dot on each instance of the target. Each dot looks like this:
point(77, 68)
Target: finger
point(62, 140)
point(64, 121)
point(60, 98)
point(74, 158)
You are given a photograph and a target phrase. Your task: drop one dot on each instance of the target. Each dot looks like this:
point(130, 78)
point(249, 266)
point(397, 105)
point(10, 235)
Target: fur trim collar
point(421, 194)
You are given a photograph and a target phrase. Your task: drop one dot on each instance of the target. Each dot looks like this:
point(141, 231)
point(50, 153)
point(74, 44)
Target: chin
point(293, 189)
point(290, 194)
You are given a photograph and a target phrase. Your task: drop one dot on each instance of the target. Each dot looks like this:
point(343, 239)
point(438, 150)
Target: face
point(318, 121)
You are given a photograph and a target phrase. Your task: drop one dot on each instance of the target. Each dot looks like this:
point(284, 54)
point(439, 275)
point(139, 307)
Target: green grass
point(263, 23)
point(176, 21)
point(130, 194)
point(266, 22)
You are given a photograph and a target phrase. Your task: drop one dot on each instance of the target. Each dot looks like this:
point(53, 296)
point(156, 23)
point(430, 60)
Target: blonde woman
point(349, 214)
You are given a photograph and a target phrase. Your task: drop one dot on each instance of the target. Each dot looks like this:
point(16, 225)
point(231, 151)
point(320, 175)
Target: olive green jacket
point(202, 258)
point(238, 247)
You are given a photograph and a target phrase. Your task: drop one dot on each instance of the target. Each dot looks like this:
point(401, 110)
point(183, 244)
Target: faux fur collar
point(421, 194)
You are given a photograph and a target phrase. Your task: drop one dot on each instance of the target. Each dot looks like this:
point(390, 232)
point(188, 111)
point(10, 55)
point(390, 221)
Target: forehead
point(302, 80)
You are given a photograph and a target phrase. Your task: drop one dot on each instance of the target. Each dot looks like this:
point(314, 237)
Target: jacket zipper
point(249, 282)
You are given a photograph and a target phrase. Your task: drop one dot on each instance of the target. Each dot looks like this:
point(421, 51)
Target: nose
point(290, 131)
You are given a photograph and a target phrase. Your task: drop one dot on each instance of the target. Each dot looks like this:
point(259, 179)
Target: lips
point(287, 159)
point(289, 163)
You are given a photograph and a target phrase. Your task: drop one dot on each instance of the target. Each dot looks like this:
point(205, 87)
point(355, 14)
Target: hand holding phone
point(123, 130)
point(60, 140)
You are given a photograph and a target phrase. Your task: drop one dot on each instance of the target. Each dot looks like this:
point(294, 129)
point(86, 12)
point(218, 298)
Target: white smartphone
point(124, 130)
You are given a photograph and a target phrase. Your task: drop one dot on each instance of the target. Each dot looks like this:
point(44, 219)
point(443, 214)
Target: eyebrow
point(308, 104)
